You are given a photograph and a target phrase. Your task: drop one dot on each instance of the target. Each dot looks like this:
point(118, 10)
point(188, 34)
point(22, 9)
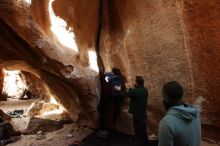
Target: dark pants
point(103, 108)
point(117, 107)
point(141, 136)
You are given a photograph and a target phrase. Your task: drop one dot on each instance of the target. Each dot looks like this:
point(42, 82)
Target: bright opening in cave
point(93, 61)
point(53, 100)
point(25, 98)
point(59, 110)
point(59, 27)
point(13, 86)
point(28, 1)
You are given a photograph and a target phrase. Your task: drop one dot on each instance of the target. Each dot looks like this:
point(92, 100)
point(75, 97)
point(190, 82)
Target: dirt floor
point(19, 124)
point(63, 137)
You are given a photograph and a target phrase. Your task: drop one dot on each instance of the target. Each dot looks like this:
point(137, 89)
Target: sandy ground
point(63, 137)
point(19, 124)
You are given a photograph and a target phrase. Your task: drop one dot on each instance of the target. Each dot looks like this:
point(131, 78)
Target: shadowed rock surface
point(44, 125)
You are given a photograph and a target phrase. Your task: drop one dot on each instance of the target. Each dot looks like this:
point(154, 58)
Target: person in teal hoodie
point(181, 125)
point(138, 108)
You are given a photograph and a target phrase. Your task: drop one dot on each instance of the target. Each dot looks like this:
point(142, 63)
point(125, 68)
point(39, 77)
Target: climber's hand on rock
point(117, 88)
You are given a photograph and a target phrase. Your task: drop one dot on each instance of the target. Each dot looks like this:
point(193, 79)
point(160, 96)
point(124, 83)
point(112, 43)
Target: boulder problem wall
point(162, 41)
point(146, 38)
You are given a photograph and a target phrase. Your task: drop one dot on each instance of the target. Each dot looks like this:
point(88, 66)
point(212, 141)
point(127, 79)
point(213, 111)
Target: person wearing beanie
point(181, 125)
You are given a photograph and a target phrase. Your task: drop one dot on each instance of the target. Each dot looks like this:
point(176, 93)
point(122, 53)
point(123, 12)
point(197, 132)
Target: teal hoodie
point(180, 127)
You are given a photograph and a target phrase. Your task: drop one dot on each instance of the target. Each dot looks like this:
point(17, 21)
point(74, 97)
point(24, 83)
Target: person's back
point(138, 106)
point(180, 127)
point(116, 81)
point(138, 103)
point(116, 98)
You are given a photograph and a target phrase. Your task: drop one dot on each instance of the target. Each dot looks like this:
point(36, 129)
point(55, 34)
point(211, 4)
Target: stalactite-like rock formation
point(29, 44)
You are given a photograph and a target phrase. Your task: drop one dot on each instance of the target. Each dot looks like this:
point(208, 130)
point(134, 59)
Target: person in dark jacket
point(117, 99)
point(138, 107)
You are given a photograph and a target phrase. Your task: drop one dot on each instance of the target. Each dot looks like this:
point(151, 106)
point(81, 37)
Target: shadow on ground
point(114, 139)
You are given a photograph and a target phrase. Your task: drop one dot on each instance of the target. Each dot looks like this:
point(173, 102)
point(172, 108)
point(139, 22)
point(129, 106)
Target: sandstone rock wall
point(30, 45)
point(146, 38)
point(201, 33)
point(83, 18)
point(2, 98)
point(162, 41)
point(35, 86)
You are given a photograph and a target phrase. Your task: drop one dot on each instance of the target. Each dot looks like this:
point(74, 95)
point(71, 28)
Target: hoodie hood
point(186, 112)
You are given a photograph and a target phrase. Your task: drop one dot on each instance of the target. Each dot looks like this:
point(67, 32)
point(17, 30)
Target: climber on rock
point(181, 125)
point(110, 104)
point(116, 98)
point(104, 104)
point(138, 106)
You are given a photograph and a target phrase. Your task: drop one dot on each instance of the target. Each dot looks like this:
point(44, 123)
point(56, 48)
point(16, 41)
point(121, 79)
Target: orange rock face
point(202, 39)
point(1, 84)
point(163, 41)
point(146, 38)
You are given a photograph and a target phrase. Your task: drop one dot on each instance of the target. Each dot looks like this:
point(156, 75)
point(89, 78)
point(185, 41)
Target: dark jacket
point(116, 81)
point(138, 101)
